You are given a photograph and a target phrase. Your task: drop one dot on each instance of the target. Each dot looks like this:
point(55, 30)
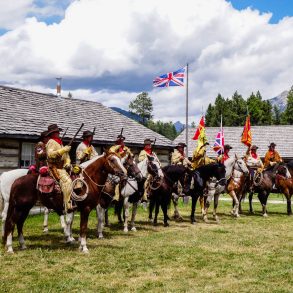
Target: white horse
point(214, 189)
point(129, 189)
point(6, 181)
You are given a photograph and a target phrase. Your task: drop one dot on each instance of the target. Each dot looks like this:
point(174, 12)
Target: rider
point(199, 157)
point(40, 151)
point(257, 165)
point(179, 157)
point(85, 150)
point(59, 163)
point(147, 151)
point(225, 156)
point(272, 157)
point(121, 150)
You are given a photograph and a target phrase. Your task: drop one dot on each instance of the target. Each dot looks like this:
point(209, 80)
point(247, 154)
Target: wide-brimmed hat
point(254, 147)
point(44, 134)
point(120, 137)
point(272, 144)
point(53, 128)
point(87, 133)
point(148, 141)
point(180, 145)
point(227, 147)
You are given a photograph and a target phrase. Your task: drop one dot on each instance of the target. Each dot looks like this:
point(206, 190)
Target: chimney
point(58, 86)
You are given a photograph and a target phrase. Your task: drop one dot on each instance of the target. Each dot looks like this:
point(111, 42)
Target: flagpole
point(186, 122)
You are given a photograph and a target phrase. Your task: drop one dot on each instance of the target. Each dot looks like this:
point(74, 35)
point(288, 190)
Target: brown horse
point(24, 196)
point(285, 185)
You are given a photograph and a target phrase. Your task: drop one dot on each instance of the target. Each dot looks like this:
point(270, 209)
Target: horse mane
point(173, 170)
point(89, 162)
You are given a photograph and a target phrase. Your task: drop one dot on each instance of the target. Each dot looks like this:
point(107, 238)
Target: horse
point(284, 183)
point(198, 179)
point(263, 185)
point(236, 186)
point(6, 181)
point(162, 187)
point(131, 192)
point(24, 195)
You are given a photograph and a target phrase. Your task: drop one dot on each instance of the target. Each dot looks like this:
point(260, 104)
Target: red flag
point(199, 128)
point(246, 134)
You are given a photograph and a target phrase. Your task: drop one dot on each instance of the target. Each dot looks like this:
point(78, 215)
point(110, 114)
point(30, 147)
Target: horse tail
point(8, 224)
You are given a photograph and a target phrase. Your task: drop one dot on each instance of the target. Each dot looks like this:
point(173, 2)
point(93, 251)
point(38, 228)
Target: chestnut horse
point(24, 195)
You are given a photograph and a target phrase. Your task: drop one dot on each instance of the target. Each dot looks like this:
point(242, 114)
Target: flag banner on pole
point(219, 143)
point(199, 128)
point(175, 78)
point(246, 137)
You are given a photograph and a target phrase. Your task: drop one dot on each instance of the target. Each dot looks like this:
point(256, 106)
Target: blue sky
point(111, 55)
point(279, 8)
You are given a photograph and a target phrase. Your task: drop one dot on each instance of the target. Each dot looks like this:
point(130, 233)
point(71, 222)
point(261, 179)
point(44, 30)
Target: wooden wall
point(9, 154)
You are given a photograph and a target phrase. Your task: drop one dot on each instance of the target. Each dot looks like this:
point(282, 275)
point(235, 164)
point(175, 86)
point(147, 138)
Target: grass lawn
point(249, 254)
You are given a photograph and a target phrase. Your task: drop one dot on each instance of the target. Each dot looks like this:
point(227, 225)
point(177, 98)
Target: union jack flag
point(175, 78)
point(219, 143)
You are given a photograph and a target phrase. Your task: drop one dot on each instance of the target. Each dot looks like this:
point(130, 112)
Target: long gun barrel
point(72, 140)
point(64, 133)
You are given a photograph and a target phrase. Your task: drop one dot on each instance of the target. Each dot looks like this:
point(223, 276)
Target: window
point(27, 155)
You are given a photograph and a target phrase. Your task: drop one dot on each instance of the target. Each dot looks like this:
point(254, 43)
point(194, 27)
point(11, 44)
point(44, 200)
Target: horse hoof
point(193, 222)
point(23, 247)
point(265, 215)
point(85, 251)
point(100, 236)
point(166, 225)
point(10, 250)
point(46, 230)
point(133, 229)
point(125, 230)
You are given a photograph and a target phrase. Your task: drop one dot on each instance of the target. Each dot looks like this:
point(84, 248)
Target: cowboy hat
point(254, 147)
point(148, 141)
point(227, 147)
point(180, 145)
point(272, 144)
point(44, 134)
point(120, 137)
point(87, 133)
point(53, 128)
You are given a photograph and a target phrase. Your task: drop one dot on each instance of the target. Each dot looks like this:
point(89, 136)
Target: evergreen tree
point(287, 117)
point(142, 105)
point(276, 115)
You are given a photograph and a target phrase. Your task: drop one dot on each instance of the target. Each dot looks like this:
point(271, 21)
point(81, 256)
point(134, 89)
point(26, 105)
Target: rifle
point(121, 131)
point(64, 133)
point(75, 135)
point(154, 142)
point(94, 131)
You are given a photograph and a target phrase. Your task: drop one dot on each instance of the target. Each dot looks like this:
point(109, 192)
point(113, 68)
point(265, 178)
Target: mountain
point(127, 114)
point(280, 101)
point(179, 126)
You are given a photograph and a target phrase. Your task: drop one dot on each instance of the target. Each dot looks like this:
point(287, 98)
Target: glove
point(64, 150)
point(273, 163)
point(88, 151)
point(67, 167)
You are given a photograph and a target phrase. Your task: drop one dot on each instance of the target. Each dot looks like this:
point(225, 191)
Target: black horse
point(162, 187)
point(199, 178)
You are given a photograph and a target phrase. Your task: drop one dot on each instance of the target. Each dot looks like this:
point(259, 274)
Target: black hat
point(44, 134)
point(227, 147)
point(53, 128)
point(120, 137)
point(181, 145)
point(272, 144)
point(87, 133)
point(148, 141)
point(254, 147)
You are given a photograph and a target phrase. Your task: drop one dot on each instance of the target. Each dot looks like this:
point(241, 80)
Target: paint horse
point(24, 196)
point(131, 192)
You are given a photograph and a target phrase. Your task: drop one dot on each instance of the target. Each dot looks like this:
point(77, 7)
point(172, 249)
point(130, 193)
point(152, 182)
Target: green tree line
point(235, 109)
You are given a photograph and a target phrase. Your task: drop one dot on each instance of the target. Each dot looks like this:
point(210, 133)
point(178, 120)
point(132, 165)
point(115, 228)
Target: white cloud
point(227, 49)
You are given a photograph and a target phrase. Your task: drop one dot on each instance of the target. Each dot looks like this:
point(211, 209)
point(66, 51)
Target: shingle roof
point(262, 136)
point(25, 114)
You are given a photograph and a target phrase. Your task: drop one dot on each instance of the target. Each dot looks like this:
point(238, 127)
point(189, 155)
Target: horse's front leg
point(126, 214)
point(134, 210)
point(289, 208)
point(206, 202)
point(193, 207)
point(100, 212)
point(151, 208)
point(68, 228)
point(235, 209)
point(250, 202)
point(84, 217)
point(164, 208)
point(263, 197)
point(45, 223)
point(216, 202)
point(157, 209)
point(176, 214)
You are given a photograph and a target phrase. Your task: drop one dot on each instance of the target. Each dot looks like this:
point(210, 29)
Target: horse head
point(114, 165)
point(282, 170)
point(131, 167)
point(241, 166)
point(154, 167)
